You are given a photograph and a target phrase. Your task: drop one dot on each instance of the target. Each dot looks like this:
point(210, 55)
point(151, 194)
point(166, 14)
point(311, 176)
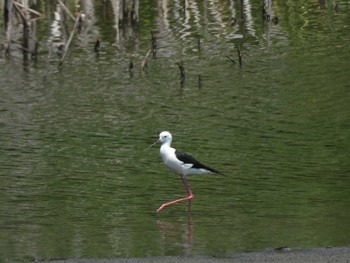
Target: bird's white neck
point(166, 144)
point(166, 150)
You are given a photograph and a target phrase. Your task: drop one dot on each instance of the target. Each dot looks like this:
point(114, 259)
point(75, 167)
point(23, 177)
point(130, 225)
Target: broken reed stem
point(200, 81)
point(25, 19)
point(144, 61)
point(182, 69)
point(66, 9)
point(234, 62)
point(97, 45)
point(69, 40)
point(25, 8)
point(20, 12)
point(239, 57)
point(154, 44)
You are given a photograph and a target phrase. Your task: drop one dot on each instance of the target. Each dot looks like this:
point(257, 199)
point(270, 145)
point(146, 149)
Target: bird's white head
point(165, 137)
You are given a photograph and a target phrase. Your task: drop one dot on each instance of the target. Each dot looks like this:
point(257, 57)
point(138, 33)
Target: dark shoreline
point(284, 255)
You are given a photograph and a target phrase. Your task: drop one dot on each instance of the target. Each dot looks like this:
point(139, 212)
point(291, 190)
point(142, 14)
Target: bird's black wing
point(188, 159)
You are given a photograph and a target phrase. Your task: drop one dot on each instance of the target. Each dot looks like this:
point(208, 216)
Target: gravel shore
point(283, 255)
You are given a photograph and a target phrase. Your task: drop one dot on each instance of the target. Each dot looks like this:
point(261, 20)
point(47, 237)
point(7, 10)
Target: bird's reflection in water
point(178, 233)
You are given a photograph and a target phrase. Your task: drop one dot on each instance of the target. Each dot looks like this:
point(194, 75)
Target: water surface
point(76, 181)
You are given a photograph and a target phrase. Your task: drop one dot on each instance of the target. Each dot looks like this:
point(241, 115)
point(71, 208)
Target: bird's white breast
point(169, 159)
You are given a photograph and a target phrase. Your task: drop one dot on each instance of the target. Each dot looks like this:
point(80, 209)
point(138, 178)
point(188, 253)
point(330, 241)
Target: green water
point(77, 182)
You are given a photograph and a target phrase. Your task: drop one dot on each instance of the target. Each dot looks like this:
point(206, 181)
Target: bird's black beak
point(152, 145)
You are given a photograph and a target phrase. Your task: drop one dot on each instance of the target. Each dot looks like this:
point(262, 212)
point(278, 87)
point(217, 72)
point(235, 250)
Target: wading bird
point(180, 163)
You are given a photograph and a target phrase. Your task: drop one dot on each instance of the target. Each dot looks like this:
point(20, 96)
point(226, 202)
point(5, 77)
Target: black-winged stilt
point(181, 163)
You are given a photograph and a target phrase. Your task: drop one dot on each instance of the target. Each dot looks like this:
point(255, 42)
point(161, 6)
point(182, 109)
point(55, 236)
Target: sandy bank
point(316, 255)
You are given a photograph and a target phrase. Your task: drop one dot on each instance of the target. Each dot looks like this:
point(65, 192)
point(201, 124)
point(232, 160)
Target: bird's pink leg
point(189, 195)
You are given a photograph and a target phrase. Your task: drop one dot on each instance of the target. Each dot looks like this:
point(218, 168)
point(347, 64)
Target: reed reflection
point(177, 22)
